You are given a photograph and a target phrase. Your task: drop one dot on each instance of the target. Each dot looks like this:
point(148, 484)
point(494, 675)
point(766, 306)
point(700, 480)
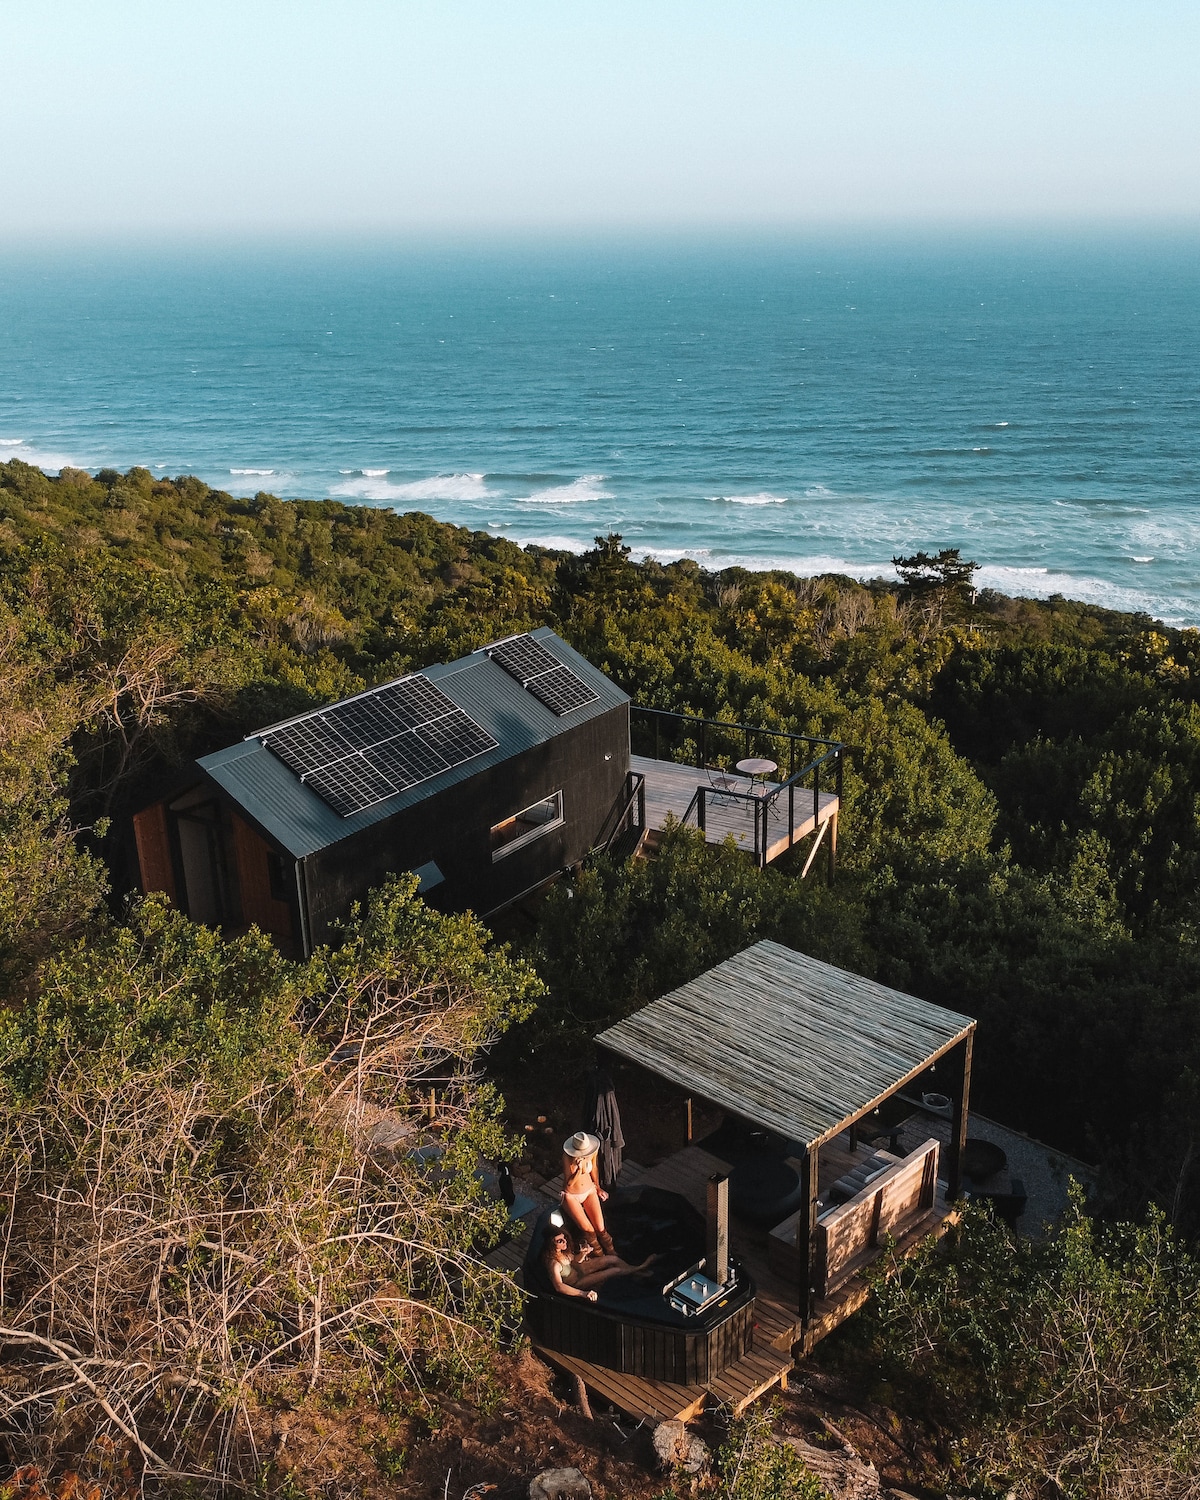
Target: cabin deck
point(779, 1331)
point(670, 789)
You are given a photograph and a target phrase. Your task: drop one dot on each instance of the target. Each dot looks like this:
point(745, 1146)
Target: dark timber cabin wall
point(587, 764)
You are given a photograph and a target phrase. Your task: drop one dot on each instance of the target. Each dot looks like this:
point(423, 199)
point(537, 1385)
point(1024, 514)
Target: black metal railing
point(627, 812)
point(711, 744)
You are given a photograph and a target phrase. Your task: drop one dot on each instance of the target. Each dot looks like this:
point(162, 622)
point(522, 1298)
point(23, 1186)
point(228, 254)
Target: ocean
point(819, 405)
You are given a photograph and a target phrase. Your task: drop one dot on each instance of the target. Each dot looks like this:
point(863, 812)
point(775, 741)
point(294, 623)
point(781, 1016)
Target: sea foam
point(445, 487)
point(38, 458)
point(763, 497)
point(581, 491)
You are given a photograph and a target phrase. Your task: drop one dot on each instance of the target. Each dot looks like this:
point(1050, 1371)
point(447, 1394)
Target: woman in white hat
point(582, 1193)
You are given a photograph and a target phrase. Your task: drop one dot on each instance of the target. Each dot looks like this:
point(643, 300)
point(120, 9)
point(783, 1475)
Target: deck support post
point(806, 1237)
point(959, 1089)
point(832, 876)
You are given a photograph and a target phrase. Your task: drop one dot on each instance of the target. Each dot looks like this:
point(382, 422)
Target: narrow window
point(528, 824)
point(277, 876)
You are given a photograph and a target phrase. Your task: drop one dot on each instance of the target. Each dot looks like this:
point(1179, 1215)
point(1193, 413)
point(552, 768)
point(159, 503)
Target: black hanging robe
point(603, 1119)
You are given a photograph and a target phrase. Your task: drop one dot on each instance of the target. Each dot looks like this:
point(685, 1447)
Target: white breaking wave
point(374, 485)
point(1040, 583)
point(763, 497)
point(552, 543)
point(51, 463)
point(818, 492)
point(261, 472)
point(580, 491)
point(1141, 559)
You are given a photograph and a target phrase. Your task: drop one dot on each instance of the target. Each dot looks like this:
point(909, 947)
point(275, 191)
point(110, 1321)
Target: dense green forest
point(1020, 841)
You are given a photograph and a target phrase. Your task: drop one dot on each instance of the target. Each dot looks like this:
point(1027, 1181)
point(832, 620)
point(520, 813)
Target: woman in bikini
point(582, 1193)
point(578, 1273)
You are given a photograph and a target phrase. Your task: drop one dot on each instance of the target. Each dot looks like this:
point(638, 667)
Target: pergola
point(803, 1049)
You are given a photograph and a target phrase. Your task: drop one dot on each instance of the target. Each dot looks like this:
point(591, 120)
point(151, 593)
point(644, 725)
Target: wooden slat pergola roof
point(786, 1041)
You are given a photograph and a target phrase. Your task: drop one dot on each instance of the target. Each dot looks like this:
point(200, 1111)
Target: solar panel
point(350, 785)
point(457, 737)
point(308, 744)
point(358, 753)
point(540, 674)
point(523, 658)
point(560, 691)
point(408, 759)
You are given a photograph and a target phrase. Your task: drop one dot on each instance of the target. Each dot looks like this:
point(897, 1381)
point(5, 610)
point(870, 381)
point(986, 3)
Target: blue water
point(810, 405)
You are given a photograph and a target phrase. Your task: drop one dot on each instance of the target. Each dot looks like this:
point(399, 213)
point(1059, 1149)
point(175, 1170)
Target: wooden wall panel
point(254, 879)
point(154, 850)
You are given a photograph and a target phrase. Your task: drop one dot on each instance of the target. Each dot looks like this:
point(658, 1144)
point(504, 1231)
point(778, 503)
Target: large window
point(530, 823)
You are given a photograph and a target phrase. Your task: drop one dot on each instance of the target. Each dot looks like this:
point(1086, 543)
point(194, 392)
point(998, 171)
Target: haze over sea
point(819, 406)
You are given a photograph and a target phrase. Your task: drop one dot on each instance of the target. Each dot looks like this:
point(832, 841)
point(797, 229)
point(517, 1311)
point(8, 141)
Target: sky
point(269, 117)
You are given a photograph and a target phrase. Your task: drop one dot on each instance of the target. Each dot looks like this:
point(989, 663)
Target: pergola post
point(959, 1089)
point(806, 1234)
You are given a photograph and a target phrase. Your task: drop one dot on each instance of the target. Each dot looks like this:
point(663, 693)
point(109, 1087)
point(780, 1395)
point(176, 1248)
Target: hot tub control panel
point(692, 1292)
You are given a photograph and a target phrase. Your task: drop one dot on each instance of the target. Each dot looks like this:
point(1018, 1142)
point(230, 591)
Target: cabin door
point(200, 840)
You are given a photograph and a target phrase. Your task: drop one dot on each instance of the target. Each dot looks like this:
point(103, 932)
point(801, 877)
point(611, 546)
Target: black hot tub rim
point(646, 1337)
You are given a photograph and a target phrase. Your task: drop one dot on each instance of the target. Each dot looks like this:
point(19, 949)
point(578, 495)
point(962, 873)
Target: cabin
point(486, 777)
point(842, 1109)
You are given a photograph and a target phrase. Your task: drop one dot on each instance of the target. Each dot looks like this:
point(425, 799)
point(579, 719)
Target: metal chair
point(722, 782)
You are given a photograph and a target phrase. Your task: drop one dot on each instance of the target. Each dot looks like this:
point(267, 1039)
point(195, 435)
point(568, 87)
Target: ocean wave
point(810, 565)
point(818, 492)
point(764, 497)
point(1141, 559)
point(262, 473)
point(51, 463)
point(1040, 583)
point(581, 491)
point(552, 543)
point(372, 485)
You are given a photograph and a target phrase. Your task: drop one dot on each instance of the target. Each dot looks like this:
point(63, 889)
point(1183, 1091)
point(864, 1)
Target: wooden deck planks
point(670, 789)
point(660, 1401)
point(647, 1400)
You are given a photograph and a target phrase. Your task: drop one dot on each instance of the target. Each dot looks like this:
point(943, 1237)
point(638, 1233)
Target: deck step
point(627, 844)
point(737, 1386)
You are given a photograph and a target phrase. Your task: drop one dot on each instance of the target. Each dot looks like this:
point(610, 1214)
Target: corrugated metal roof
point(295, 816)
point(786, 1041)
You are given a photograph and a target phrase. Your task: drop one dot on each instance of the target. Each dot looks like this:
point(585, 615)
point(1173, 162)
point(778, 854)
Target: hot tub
point(632, 1327)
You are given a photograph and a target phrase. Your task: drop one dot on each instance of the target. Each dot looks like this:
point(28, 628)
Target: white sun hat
point(581, 1144)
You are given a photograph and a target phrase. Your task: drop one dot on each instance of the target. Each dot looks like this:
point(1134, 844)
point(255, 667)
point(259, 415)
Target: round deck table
point(757, 766)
